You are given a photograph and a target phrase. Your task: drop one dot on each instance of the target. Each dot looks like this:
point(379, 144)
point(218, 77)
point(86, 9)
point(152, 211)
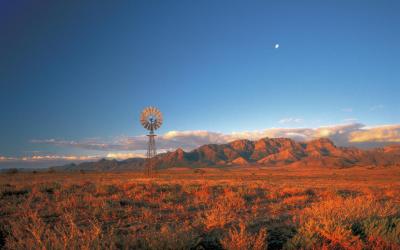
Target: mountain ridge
point(263, 152)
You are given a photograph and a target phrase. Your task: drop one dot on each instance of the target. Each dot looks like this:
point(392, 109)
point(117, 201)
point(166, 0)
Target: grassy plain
point(236, 208)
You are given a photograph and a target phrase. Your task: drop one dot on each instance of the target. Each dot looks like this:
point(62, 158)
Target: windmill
point(151, 119)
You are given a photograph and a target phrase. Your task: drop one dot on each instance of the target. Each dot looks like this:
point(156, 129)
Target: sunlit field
point(275, 208)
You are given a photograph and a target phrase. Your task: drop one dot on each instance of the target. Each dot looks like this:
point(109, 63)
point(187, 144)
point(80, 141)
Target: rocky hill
point(264, 152)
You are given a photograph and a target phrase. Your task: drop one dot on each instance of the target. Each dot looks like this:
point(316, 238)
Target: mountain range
point(264, 152)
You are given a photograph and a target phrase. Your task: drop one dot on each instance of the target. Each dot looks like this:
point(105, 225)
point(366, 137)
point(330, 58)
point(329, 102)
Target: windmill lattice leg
point(151, 152)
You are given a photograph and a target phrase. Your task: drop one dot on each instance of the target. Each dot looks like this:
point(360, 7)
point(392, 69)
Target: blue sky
point(81, 72)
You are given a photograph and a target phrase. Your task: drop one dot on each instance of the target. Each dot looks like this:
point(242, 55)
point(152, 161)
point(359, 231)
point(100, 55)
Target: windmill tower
point(151, 119)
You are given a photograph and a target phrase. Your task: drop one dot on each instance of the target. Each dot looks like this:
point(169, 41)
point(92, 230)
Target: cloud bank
point(43, 161)
point(388, 133)
point(343, 135)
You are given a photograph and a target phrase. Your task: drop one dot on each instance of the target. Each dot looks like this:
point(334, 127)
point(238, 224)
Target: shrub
point(51, 170)
point(171, 237)
point(112, 189)
point(240, 238)
point(226, 209)
point(12, 171)
point(49, 187)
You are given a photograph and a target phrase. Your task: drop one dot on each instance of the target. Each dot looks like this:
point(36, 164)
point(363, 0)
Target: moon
point(276, 45)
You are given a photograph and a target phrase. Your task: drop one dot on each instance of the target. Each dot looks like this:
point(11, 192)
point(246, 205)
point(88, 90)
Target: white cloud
point(122, 156)
point(5, 158)
point(384, 133)
point(85, 144)
point(376, 107)
point(290, 120)
point(350, 120)
point(50, 158)
point(348, 110)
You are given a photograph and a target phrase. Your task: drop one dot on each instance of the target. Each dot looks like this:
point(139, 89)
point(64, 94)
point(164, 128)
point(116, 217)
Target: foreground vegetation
point(276, 208)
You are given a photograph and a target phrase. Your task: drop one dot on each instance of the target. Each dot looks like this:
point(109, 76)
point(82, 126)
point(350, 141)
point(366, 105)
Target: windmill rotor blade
point(151, 118)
